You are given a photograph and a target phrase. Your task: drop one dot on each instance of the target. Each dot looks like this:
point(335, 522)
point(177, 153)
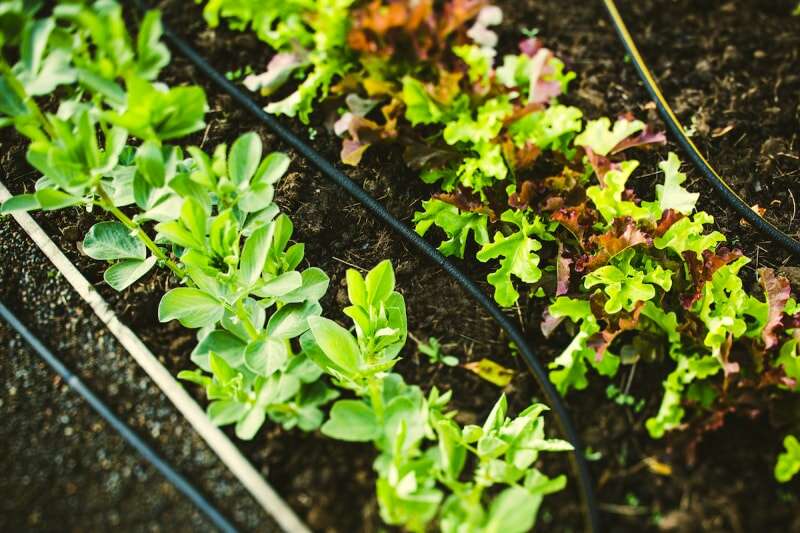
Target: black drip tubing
point(130, 436)
point(689, 147)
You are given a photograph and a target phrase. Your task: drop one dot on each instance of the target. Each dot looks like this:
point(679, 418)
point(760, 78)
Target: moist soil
point(731, 72)
point(64, 468)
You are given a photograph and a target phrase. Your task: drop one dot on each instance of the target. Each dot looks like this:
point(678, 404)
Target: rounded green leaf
point(352, 420)
point(150, 163)
point(272, 168)
point(336, 343)
point(244, 158)
point(380, 282)
point(222, 343)
point(194, 217)
point(292, 320)
point(452, 452)
point(356, 288)
point(254, 254)
point(281, 285)
point(192, 307)
point(20, 202)
point(259, 196)
point(112, 240)
point(223, 412)
point(52, 199)
point(313, 286)
point(513, 511)
point(121, 275)
point(265, 357)
point(248, 426)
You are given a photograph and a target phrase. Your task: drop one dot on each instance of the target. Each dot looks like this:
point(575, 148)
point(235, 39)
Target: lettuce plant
point(429, 467)
point(630, 279)
point(310, 37)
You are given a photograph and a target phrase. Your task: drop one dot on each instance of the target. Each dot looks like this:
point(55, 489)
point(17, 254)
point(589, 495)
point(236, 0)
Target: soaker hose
point(335, 175)
point(171, 475)
point(700, 162)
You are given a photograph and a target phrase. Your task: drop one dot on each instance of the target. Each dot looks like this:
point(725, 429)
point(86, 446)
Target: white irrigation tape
point(228, 453)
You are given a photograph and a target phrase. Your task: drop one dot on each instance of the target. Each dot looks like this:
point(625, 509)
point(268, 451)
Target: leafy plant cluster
point(429, 467)
point(546, 195)
point(264, 350)
point(213, 218)
point(311, 37)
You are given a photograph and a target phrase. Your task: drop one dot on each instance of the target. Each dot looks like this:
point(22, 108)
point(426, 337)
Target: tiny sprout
point(530, 33)
point(433, 349)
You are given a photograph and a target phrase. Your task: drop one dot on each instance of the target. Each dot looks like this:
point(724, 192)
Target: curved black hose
point(186, 488)
point(691, 150)
point(377, 209)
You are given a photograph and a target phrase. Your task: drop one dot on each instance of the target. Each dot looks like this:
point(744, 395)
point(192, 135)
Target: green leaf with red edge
point(600, 137)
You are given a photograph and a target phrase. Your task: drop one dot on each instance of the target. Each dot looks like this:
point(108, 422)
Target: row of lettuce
point(101, 130)
point(632, 281)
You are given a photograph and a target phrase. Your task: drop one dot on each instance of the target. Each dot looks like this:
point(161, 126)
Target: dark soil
point(64, 468)
point(723, 64)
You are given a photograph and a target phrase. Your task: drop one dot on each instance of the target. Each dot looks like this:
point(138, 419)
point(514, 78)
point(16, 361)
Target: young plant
point(424, 474)
point(433, 350)
point(310, 38)
point(216, 226)
point(244, 293)
point(263, 346)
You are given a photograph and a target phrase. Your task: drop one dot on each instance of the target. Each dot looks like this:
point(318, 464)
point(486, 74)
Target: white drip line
point(226, 450)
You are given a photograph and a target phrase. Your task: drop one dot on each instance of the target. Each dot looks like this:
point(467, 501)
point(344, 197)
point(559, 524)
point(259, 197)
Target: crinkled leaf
point(602, 138)
point(777, 291)
point(518, 256)
point(420, 107)
point(788, 463)
point(608, 198)
point(456, 224)
point(671, 195)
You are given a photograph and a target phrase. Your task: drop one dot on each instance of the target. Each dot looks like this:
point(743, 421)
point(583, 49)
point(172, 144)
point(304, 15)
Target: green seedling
point(433, 350)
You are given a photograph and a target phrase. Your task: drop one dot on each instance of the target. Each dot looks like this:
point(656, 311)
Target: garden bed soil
point(64, 468)
point(730, 69)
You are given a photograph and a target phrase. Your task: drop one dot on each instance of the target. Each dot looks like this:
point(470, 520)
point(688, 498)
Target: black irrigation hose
point(186, 488)
point(674, 125)
point(339, 178)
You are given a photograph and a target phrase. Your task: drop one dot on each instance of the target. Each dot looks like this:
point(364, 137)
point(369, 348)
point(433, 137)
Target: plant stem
point(108, 205)
point(244, 317)
point(375, 386)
